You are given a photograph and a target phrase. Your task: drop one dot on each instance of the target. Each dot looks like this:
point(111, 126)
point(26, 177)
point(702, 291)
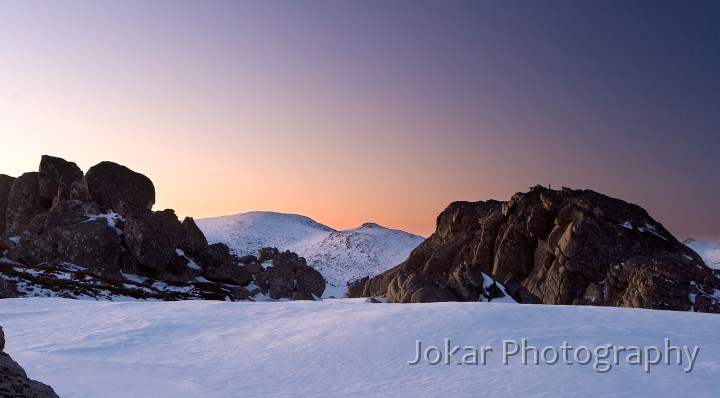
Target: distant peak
point(371, 225)
point(269, 219)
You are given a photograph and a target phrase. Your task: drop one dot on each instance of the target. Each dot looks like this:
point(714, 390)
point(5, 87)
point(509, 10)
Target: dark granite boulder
point(23, 203)
point(14, 382)
point(179, 269)
point(194, 240)
point(6, 183)
point(289, 277)
point(69, 233)
point(52, 170)
point(118, 188)
point(154, 237)
point(220, 266)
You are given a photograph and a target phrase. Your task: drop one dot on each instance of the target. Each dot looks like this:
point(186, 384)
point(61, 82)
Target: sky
point(382, 111)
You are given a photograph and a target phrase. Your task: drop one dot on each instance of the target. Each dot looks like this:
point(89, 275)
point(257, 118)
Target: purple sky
point(384, 111)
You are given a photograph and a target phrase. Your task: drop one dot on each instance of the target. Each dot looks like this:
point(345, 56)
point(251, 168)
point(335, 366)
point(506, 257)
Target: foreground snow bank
point(342, 348)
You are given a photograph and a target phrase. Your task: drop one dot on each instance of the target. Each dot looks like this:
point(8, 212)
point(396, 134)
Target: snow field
point(339, 348)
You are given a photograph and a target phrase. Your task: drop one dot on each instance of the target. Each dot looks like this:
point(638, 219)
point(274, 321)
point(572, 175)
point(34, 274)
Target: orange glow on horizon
point(354, 112)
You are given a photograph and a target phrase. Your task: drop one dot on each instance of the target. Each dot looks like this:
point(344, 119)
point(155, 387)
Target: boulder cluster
point(14, 382)
point(290, 276)
point(553, 247)
point(103, 221)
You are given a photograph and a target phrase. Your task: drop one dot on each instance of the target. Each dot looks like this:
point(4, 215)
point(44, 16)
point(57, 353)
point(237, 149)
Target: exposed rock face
point(220, 266)
point(254, 268)
point(118, 188)
point(289, 276)
point(72, 190)
point(194, 241)
point(68, 233)
point(23, 203)
point(14, 382)
point(153, 237)
point(179, 270)
point(552, 247)
point(6, 183)
point(52, 171)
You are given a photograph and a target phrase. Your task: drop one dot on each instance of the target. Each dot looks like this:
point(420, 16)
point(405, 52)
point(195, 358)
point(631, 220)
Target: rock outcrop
point(221, 266)
point(6, 183)
point(101, 227)
point(153, 237)
point(23, 203)
point(67, 233)
point(52, 171)
point(14, 382)
point(116, 187)
point(552, 247)
point(194, 240)
point(289, 276)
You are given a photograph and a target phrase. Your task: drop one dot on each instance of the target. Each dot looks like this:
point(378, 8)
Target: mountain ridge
point(340, 255)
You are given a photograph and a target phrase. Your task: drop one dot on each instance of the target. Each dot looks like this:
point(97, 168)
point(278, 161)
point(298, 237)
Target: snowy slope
point(339, 348)
point(247, 232)
point(709, 251)
point(341, 256)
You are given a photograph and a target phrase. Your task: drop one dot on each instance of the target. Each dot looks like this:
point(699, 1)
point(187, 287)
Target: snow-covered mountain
point(341, 256)
point(709, 251)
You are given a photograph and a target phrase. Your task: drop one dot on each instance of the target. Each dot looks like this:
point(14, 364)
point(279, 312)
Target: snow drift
point(342, 348)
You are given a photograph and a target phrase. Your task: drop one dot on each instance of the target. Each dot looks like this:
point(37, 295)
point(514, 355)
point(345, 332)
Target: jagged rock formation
point(290, 276)
point(54, 171)
point(194, 240)
point(553, 247)
point(23, 203)
point(154, 237)
point(220, 265)
point(14, 382)
point(6, 183)
point(102, 225)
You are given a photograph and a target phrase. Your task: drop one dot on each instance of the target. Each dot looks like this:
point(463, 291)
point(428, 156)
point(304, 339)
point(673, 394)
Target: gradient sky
point(384, 111)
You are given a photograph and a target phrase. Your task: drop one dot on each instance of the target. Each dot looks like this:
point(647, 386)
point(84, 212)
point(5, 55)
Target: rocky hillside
point(73, 234)
point(340, 256)
point(553, 247)
point(14, 382)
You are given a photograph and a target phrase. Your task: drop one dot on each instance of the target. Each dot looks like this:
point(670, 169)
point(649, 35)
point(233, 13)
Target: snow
point(332, 291)
point(135, 278)
point(340, 256)
point(341, 348)
point(709, 251)
point(645, 228)
point(488, 282)
point(14, 239)
point(111, 218)
point(247, 232)
point(8, 261)
point(190, 263)
point(650, 228)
